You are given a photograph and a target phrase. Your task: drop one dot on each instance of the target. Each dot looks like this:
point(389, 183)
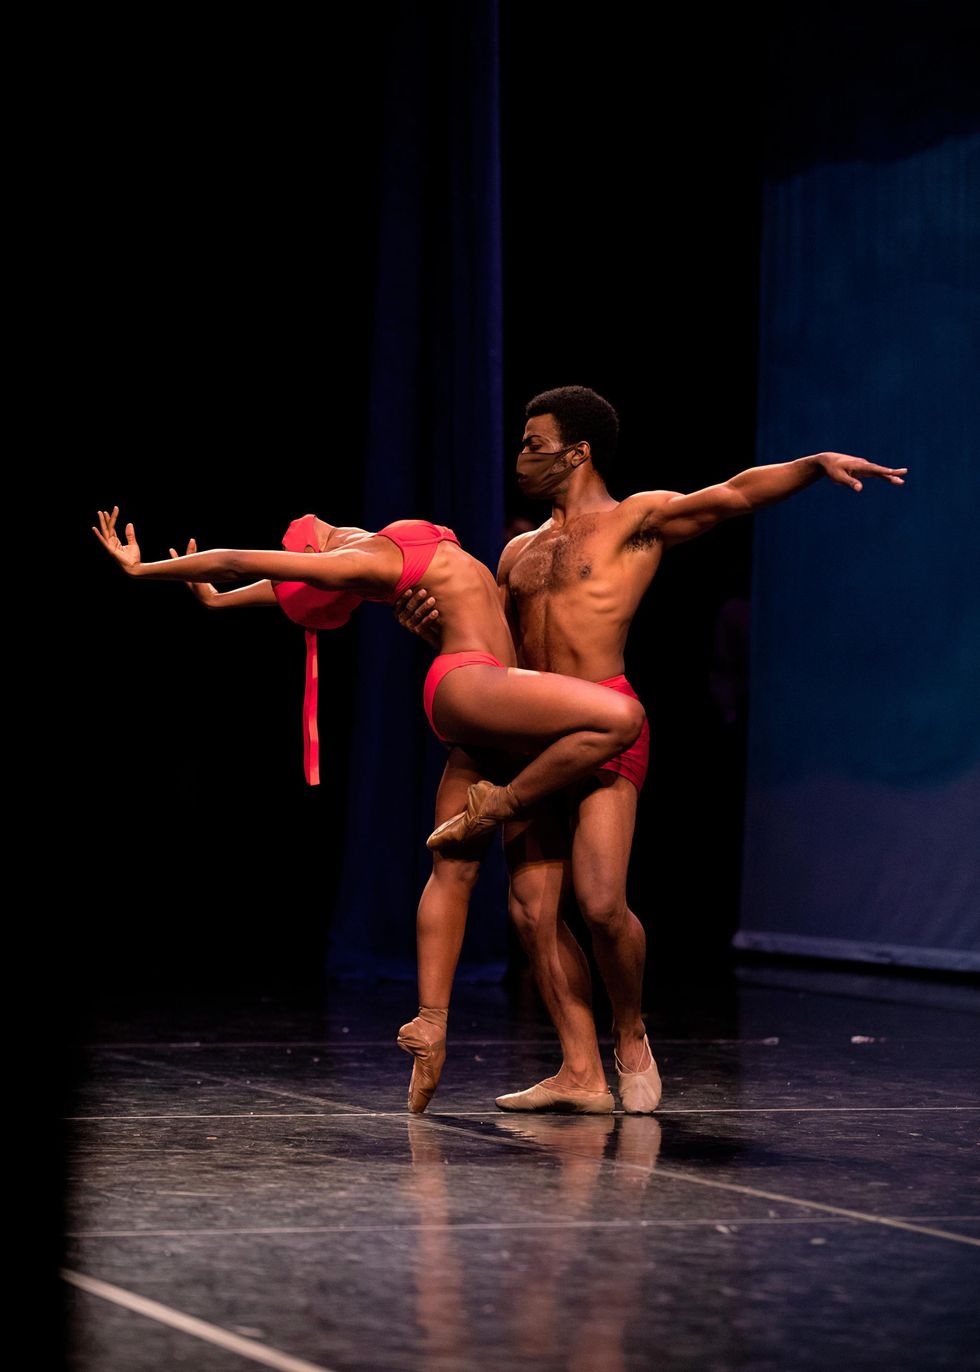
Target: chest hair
point(554, 561)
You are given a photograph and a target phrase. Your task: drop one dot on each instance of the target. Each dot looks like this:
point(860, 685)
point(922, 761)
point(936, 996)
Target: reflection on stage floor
point(246, 1185)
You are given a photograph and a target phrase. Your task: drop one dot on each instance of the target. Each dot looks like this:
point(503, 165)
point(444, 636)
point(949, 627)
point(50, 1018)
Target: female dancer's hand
point(416, 612)
point(127, 554)
point(203, 590)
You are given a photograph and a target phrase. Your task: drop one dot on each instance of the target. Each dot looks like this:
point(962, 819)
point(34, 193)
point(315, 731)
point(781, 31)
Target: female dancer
point(572, 726)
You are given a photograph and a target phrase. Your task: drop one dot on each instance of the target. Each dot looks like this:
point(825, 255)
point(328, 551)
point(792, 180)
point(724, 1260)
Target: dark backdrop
point(215, 265)
point(220, 297)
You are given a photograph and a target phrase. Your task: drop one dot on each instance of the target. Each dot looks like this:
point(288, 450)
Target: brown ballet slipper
point(487, 806)
point(425, 1038)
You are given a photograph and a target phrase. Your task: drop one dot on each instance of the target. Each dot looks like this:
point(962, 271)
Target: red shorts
point(441, 666)
point(633, 763)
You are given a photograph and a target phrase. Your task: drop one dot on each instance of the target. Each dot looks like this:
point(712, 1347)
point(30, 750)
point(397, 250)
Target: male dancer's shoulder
point(639, 517)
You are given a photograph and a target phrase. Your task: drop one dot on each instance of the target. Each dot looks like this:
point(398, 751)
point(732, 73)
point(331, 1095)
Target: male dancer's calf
point(578, 847)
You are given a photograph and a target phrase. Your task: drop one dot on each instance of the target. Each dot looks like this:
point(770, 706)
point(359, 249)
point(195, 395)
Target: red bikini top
point(418, 540)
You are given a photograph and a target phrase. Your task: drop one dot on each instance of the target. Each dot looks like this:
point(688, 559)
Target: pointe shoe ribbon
point(639, 1091)
point(425, 1038)
point(541, 1097)
point(487, 806)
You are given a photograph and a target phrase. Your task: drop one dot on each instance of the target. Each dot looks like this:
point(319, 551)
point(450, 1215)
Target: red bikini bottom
point(442, 666)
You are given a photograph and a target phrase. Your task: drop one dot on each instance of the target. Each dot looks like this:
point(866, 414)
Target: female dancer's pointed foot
point(486, 807)
point(425, 1038)
point(639, 1091)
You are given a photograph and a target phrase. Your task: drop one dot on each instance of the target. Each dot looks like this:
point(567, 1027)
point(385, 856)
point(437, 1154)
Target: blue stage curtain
point(863, 813)
point(435, 451)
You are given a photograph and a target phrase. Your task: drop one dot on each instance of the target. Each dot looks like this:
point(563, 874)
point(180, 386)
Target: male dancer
point(571, 589)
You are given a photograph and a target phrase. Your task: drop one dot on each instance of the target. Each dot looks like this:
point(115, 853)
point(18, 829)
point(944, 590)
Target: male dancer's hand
point(842, 468)
point(127, 554)
point(203, 590)
point(416, 612)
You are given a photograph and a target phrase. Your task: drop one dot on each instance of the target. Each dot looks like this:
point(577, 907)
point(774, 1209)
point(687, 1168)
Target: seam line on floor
point(189, 1324)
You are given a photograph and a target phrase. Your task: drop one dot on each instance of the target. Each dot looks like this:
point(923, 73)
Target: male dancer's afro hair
point(581, 416)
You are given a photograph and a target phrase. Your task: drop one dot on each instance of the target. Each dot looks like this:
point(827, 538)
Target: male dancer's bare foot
point(487, 806)
point(425, 1038)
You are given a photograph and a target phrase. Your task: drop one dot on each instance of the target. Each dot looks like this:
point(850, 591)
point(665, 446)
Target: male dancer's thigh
point(603, 822)
point(539, 861)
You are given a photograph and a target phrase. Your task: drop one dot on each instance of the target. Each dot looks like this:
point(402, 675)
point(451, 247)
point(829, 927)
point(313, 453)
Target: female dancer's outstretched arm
point(367, 571)
point(259, 593)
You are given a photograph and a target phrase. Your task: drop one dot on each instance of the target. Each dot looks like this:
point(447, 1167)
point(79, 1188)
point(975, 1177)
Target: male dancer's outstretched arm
point(678, 517)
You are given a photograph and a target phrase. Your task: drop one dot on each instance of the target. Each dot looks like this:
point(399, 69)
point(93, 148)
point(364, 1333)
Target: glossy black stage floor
point(246, 1187)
